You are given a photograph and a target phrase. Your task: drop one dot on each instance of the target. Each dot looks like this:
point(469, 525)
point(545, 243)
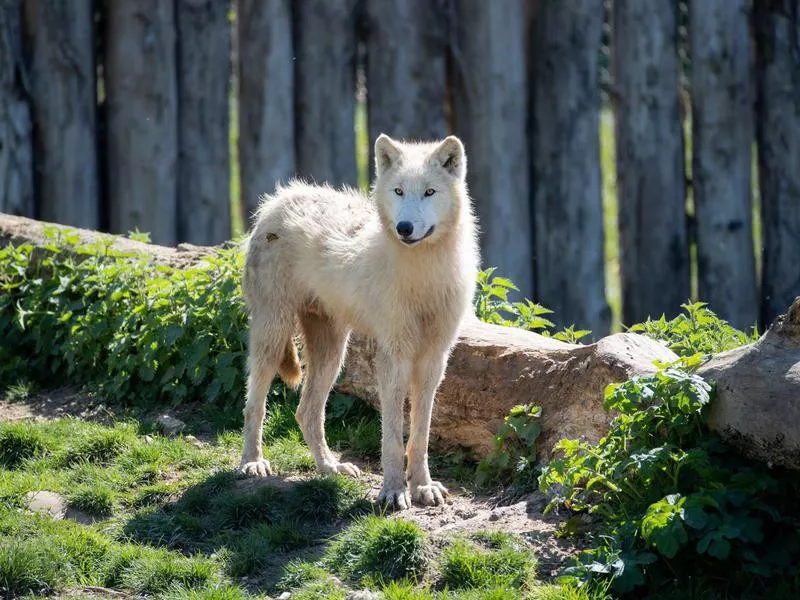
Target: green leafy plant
point(671, 497)
point(695, 330)
point(513, 454)
point(493, 306)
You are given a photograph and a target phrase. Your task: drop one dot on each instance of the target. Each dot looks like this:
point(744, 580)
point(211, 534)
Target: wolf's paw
point(256, 468)
point(395, 499)
point(343, 468)
point(432, 494)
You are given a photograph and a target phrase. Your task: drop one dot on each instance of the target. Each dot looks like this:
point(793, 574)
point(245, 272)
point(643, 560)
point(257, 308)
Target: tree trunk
point(325, 50)
point(491, 103)
point(16, 129)
point(777, 25)
point(142, 118)
point(654, 243)
point(722, 137)
point(266, 98)
point(406, 69)
point(204, 74)
point(568, 212)
point(60, 38)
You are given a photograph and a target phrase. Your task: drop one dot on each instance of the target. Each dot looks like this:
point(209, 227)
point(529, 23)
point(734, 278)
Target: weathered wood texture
point(777, 27)
point(406, 44)
point(568, 212)
point(16, 127)
point(204, 75)
point(266, 98)
point(722, 137)
point(757, 401)
point(325, 51)
point(60, 45)
point(651, 183)
point(492, 368)
point(142, 118)
point(491, 110)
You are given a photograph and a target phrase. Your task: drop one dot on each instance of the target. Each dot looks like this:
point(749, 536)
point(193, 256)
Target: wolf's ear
point(386, 153)
point(451, 156)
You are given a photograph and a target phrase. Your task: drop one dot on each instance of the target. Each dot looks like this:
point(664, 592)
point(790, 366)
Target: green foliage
point(18, 443)
point(378, 549)
point(97, 500)
point(493, 306)
point(505, 564)
point(513, 454)
point(696, 330)
point(137, 332)
point(672, 498)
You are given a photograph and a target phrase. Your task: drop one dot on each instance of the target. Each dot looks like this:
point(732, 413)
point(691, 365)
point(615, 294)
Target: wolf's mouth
point(411, 242)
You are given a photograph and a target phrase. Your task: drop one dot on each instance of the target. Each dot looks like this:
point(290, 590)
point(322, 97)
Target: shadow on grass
point(254, 526)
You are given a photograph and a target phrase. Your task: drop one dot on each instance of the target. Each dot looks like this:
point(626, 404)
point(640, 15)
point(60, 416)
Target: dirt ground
point(463, 514)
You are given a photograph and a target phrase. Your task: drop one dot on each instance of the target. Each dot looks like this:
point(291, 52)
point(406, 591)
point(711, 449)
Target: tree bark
point(266, 98)
point(16, 128)
point(325, 50)
point(568, 212)
point(491, 102)
point(60, 38)
point(777, 26)
point(654, 245)
point(406, 43)
point(204, 75)
point(722, 137)
point(142, 118)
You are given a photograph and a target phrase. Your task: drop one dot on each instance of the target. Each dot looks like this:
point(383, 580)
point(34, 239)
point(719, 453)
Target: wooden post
point(266, 98)
point(722, 137)
point(325, 50)
point(204, 74)
point(567, 201)
point(406, 43)
point(142, 118)
point(654, 243)
point(16, 129)
point(777, 28)
point(60, 41)
point(491, 102)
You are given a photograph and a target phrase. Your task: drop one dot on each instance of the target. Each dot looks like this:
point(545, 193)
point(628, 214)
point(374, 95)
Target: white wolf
point(398, 266)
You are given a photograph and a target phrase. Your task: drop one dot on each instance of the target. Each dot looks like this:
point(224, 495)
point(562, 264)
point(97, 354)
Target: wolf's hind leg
point(428, 373)
point(324, 350)
point(267, 346)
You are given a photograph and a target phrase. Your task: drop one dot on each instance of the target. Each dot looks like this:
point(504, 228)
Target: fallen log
point(491, 369)
point(757, 402)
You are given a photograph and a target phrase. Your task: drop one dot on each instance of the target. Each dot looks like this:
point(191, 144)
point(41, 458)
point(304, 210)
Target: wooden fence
point(115, 114)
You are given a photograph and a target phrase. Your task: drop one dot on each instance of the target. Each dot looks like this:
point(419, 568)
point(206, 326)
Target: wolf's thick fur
point(398, 266)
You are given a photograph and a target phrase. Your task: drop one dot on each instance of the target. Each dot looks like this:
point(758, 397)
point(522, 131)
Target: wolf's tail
point(289, 368)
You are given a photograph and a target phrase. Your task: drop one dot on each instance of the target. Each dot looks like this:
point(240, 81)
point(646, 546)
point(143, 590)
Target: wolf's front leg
point(394, 376)
point(428, 373)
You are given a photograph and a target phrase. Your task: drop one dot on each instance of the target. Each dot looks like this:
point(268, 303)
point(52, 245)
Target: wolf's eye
point(430, 192)
point(398, 191)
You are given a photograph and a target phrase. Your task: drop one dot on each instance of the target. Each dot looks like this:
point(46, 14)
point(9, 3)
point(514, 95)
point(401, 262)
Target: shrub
point(672, 498)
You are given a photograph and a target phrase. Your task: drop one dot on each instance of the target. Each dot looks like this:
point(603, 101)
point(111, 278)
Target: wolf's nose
point(405, 228)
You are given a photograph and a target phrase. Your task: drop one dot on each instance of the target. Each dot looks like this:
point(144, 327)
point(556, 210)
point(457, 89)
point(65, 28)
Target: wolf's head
point(419, 187)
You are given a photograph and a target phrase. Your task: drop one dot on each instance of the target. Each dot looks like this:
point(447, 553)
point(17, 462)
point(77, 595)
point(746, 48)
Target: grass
point(488, 561)
point(172, 520)
point(378, 550)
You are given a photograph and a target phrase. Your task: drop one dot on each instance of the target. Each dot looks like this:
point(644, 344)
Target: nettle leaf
point(662, 525)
